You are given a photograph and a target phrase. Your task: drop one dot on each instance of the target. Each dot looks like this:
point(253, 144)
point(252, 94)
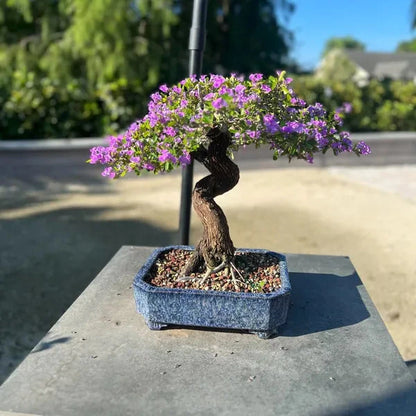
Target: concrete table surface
point(333, 357)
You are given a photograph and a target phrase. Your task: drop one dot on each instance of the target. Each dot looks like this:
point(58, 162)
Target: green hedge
point(33, 107)
point(378, 106)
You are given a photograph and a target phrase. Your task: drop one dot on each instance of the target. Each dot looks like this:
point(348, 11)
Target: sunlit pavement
point(60, 223)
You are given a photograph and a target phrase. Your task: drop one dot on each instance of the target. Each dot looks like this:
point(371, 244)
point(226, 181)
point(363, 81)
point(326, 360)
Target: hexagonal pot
point(260, 313)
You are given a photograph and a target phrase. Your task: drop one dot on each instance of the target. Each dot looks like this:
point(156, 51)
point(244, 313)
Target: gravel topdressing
point(257, 273)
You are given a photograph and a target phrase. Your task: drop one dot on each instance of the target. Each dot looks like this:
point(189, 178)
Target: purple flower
point(109, 172)
point(185, 159)
point(164, 88)
point(219, 103)
point(338, 118)
point(218, 80)
point(225, 90)
point(288, 81)
point(156, 97)
point(270, 123)
point(148, 166)
point(336, 147)
point(363, 148)
point(253, 134)
point(100, 154)
point(114, 141)
point(265, 88)
point(135, 159)
point(209, 96)
point(297, 101)
point(239, 89)
point(346, 141)
point(293, 127)
point(347, 108)
point(255, 77)
point(170, 131)
point(316, 110)
point(321, 140)
point(309, 158)
point(167, 156)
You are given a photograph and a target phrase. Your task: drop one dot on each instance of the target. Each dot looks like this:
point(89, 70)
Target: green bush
point(378, 106)
point(33, 107)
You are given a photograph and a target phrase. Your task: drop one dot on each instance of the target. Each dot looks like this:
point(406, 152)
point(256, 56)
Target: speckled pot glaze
point(260, 313)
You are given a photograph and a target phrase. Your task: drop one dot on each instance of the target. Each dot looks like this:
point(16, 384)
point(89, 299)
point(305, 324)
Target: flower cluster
point(255, 111)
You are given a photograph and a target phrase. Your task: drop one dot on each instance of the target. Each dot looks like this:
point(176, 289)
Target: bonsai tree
point(206, 120)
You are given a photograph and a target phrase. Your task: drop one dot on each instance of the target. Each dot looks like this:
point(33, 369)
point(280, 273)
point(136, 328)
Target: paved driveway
point(60, 223)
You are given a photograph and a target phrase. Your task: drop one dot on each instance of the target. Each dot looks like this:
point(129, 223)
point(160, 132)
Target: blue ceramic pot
point(260, 313)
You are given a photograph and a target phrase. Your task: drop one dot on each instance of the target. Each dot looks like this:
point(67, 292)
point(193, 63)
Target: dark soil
point(256, 272)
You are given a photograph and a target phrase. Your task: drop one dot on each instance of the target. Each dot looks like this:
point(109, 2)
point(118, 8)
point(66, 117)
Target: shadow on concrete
point(32, 177)
point(411, 365)
point(47, 260)
point(46, 345)
point(401, 403)
point(320, 302)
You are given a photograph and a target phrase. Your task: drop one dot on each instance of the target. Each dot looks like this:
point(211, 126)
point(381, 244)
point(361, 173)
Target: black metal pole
point(196, 51)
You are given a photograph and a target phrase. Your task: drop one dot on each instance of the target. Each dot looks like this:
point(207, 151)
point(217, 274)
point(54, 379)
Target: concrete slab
point(334, 356)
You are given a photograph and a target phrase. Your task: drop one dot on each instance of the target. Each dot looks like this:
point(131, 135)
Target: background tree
point(76, 68)
point(346, 42)
point(407, 46)
point(335, 67)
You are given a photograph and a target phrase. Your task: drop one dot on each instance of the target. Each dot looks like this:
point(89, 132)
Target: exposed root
point(217, 269)
point(229, 269)
point(233, 278)
point(187, 278)
point(238, 271)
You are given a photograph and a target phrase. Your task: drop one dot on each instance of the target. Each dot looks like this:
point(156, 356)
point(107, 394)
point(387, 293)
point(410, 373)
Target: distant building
point(368, 65)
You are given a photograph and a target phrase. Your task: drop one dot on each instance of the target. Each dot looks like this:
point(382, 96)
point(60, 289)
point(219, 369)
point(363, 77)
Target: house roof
point(400, 65)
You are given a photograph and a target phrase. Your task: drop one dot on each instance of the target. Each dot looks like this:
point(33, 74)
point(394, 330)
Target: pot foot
point(155, 326)
point(264, 334)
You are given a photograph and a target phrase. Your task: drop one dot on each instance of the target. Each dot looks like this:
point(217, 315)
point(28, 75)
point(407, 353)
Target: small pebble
point(94, 356)
point(332, 378)
point(393, 315)
point(284, 348)
point(177, 365)
point(251, 378)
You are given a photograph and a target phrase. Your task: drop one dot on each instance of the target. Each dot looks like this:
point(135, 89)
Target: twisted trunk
point(215, 246)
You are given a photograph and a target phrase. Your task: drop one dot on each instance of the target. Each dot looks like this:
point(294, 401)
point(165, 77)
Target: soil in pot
point(253, 272)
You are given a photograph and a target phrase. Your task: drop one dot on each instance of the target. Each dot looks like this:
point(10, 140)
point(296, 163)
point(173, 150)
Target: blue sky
point(379, 24)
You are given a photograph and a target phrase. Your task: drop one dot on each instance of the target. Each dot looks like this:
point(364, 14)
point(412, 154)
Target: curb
point(52, 144)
